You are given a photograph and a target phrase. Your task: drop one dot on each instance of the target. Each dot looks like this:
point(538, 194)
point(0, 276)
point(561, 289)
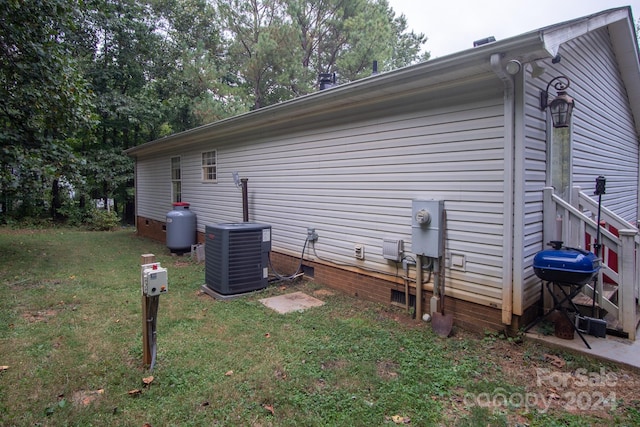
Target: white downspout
point(509, 148)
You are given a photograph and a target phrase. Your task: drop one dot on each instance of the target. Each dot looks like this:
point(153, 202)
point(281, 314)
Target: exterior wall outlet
point(359, 251)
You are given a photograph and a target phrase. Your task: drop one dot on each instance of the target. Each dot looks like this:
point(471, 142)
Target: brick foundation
point(156, 230)
point(467, 315)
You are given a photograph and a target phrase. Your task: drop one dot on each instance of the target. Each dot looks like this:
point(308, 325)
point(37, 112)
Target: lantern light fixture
point(562, 105)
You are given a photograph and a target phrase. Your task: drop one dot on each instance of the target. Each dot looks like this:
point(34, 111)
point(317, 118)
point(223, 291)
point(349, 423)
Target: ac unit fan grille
point(236, 257)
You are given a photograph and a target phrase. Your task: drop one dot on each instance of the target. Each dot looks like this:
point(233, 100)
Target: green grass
point(70, 334)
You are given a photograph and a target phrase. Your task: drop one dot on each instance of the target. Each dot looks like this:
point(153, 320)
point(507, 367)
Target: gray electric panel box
point(426, 227)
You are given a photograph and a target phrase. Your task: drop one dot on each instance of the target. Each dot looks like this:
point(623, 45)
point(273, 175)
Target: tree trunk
point(56, 203)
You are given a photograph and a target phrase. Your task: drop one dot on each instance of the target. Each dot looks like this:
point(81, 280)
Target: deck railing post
point(628, 282)
point(574, 238)
point(549, 216)
point(549, 232)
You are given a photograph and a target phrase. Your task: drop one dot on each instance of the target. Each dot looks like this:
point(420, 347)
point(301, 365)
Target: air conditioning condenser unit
point(237, 257)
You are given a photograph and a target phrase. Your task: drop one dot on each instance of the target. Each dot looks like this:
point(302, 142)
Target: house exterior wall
point(353, 181)
point(477, 142)
point(604, 141)
point(604, 136)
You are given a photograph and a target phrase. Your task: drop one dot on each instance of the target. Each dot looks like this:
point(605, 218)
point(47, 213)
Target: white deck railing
point(571, 223)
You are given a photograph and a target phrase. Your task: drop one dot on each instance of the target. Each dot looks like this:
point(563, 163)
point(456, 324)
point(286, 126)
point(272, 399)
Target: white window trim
point(173, 181)
point(202, 167)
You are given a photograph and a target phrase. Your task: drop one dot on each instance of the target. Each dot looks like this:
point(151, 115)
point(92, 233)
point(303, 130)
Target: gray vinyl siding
point(535, 165)
point(354, 182)
point(153, 187)
point(348, 161)
point(603, 137)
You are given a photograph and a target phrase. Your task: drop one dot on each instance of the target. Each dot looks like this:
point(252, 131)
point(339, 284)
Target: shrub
point(103, 220)
point(73, 214)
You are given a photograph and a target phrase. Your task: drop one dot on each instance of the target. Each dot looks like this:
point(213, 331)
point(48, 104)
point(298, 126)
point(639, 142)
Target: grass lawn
point(71, 354)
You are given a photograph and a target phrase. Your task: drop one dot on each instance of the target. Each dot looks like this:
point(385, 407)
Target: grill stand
point(558, 305)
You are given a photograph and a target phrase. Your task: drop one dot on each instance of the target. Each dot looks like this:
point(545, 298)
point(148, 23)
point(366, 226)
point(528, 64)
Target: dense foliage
point(82, 80)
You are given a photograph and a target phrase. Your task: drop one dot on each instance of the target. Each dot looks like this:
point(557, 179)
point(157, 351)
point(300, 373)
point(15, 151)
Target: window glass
point(176, 180)
point(209, 171)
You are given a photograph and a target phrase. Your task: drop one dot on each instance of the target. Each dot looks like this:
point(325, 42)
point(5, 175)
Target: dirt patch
point(387, 369)
point(39, 316)
point(86, 397)
point(179, 264)
point(24, 284)
point(334, 364)
point(550, 382)
point(537, 378)
point(323, 293)
point(402, 316)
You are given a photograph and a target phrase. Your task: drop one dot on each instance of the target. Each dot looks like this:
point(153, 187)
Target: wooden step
point(608, 292)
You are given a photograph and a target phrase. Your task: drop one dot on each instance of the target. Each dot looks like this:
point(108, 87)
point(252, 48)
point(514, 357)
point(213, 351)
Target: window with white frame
point(176, 180)
point(209, 165)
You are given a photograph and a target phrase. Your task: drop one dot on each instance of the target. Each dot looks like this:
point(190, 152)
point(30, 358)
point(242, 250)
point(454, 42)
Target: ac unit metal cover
point(237, 257)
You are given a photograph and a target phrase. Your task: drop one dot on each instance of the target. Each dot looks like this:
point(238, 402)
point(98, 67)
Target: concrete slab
point(614, 349)
point(296, 301)
point(207, 290)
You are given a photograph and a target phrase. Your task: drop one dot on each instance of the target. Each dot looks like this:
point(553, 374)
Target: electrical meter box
point(154, 280)
point(426, 227)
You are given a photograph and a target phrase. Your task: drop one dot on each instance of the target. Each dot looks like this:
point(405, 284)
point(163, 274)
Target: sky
point(453, 25)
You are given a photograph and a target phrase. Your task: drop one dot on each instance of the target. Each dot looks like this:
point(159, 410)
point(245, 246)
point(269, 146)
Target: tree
point(194, 84)
point(43, 96)
point(280, 46)
point(82, 80)
point(44, 99)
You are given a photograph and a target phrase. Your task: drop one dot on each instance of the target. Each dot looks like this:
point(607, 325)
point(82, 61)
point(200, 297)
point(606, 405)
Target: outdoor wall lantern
point(562, 106)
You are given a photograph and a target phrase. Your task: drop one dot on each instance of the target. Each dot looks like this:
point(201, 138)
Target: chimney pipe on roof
point(326, 80)
point(484, 41)
point(375, 68)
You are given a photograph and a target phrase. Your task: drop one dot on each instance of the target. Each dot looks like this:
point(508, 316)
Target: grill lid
point(567, 265)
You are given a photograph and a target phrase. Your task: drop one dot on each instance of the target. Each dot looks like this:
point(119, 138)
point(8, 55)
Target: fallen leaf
point(146, 425)
point(3, 368)
point(283, 288)
point(228, 373)
point(399, 419)
point(553, 394)
point(147, 380)
point(556, 361)
point(269, 408)
point(135, 392)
